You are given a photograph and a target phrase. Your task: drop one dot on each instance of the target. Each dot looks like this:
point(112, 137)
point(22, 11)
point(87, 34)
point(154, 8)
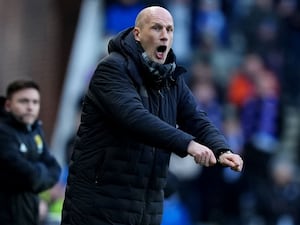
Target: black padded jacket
point(128, 130)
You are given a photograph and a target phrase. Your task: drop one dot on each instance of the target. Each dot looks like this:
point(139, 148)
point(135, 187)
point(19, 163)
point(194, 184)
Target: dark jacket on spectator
point(26, 169)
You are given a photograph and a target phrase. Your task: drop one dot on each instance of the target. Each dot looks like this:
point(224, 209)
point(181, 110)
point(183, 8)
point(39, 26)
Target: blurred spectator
point(289, 14)
point(235, 10)
point(278, 200)
point(209, 22)
point(260, 117)
point(27, 167)
point(241, 82)
point(259, 25)
point(206, 91)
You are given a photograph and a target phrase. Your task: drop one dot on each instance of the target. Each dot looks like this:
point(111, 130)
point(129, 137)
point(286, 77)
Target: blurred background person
point(26, 166)
point(278, 198)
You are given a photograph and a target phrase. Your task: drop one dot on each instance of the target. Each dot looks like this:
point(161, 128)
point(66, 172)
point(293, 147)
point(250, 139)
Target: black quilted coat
point(128, 130)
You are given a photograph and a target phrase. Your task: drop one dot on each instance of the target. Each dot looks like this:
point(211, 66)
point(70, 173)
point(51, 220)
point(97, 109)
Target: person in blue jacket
point(136, 112)
point(26, 166)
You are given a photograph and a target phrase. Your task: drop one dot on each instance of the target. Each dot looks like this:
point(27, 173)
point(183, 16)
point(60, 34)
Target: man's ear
point(7, 105)
point(136, 33)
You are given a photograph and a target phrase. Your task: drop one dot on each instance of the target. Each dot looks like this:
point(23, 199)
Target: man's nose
point(30, 105)
point(164, 35)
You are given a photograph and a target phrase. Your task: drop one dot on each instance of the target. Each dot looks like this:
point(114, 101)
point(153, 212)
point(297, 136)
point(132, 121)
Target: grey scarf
point(160, 75)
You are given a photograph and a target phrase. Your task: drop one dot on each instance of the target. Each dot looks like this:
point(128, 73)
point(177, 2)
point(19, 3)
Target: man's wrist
point(221, 153)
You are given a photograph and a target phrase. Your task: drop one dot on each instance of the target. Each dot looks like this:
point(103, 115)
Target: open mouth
point(162, 48)
point(160, 52)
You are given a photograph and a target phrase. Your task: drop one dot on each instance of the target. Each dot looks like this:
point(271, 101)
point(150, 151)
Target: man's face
point(24, 105)
point(156, 35)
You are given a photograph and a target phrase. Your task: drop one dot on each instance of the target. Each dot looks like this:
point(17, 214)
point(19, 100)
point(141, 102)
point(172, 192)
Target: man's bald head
point(144, 15)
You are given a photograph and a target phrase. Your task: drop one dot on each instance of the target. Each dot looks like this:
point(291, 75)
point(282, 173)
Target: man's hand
point(202, 155)
point(234, 161)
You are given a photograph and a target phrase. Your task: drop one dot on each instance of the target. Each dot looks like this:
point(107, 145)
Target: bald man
point(136, 112)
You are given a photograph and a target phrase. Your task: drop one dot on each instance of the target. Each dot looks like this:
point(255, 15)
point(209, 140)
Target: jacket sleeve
point(18, 173)
point(118, 97)
point(51, 165)
point(196, 122)
point(52, 172)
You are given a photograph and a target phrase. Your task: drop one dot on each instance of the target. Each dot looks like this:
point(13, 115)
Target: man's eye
point(156, 28)
point(23, 101)
point(170, 28)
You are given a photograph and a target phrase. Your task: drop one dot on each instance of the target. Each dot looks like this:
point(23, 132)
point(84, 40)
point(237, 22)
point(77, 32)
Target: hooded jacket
point(132, 120)
point(26, 169)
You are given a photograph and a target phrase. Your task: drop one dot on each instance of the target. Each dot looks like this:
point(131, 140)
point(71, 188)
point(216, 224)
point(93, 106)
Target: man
point(137, 111)
point(26, 166)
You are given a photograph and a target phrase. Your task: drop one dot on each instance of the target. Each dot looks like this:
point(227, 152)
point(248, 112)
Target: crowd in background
point(242, 59)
